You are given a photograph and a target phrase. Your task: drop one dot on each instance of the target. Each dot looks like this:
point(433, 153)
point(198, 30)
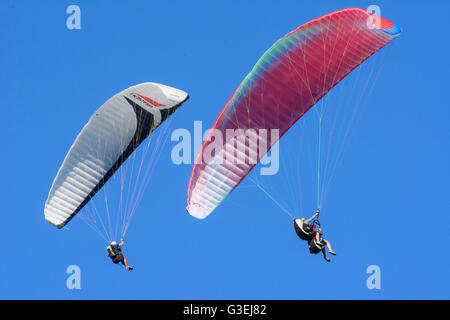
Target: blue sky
point(389, 205)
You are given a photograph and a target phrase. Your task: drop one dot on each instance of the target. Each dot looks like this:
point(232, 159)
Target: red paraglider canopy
point(290, 78)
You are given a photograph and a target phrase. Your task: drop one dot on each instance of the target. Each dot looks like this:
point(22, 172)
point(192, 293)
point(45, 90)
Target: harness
point(111, 251)
point(305, 230)
point(316, 247)
point(316, 221)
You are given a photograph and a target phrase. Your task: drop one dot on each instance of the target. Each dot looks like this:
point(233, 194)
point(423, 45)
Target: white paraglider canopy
point(114, 131)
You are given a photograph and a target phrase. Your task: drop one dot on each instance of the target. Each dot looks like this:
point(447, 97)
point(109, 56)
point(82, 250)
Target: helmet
point(320, 231)
point(113, 243)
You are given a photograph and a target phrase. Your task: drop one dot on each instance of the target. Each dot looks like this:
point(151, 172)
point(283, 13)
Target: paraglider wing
point(295, 73)
point(107, 140)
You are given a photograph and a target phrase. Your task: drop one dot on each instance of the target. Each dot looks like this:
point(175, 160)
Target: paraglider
point(305, 228)
point(287, 81)
point(111, 135)
point(318, 243)
point(115, 253)
point(311, 231)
